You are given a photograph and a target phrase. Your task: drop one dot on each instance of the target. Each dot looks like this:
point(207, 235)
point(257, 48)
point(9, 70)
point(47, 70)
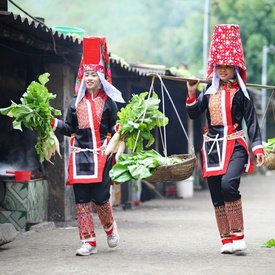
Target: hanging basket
point(269, 159)
point(175, 172)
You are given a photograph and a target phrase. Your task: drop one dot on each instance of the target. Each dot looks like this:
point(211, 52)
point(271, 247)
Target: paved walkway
point(170, 236)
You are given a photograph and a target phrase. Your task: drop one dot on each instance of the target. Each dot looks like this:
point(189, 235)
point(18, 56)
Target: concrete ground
point(170, 236)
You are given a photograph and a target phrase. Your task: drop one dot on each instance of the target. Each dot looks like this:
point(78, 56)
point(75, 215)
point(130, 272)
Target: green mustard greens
point(36, 114)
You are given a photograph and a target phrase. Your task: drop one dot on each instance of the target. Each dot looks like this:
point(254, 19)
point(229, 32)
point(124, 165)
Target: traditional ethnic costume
point(90, 121)
point(225, 151)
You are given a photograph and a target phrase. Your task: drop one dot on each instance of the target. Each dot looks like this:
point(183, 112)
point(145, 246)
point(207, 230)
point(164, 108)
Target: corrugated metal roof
point(38, 36)
point(25, 28)
point(141, 69)
point(144, 68)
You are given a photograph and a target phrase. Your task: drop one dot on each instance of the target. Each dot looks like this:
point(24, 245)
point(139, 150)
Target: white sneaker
point(86, 249)
point(239, 245)
point(113, 239)
point(227, 248)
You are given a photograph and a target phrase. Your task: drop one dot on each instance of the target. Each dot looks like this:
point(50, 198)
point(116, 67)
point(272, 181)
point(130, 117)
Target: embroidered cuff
point(116, 127)
point(54, 123)
point(258, 150)
point(191, 101)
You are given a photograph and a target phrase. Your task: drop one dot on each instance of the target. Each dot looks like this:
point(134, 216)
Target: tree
point(165, 32)
point(256, 21)
point(148, 31)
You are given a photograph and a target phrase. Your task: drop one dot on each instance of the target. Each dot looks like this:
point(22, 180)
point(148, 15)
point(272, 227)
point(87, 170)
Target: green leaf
point(7, 110)
point(44, 78)
point(269, 244)
point(139, 171)
point(119, 174)
point(271, 140)
point(150, 141)
point(138, 118)
point(17, 125)
point(137, 165)
point(135, 125)
point(135, 186)
point(150, 162)
point(174, 160)
point(270, 144)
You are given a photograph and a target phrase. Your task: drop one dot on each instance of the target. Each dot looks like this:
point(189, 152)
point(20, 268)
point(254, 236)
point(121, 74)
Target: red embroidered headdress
point(226, 49)
point(96, 58)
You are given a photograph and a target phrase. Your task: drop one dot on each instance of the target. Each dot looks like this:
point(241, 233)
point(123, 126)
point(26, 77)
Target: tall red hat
point(226, 49)
point(96, 58)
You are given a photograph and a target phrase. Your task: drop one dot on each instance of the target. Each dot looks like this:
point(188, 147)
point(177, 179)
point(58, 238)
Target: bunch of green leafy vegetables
point(36, 114)
point(270, 144)
point(138, 118)
point(139, 165)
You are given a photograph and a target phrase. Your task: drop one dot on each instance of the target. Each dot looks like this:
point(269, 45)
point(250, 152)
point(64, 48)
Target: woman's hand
point(192, 86)
point(260, 159)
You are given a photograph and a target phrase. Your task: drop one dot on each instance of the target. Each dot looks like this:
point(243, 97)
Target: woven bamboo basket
point(269, 159)
point(175, 172)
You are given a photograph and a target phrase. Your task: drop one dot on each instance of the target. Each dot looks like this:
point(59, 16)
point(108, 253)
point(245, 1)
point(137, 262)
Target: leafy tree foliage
point(256, 21)
point(165, 32)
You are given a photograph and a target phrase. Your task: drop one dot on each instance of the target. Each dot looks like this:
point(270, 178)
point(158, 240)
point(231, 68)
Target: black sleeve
point(199, 107)
point(251, 120)
point(112, 116)
point(70, 125)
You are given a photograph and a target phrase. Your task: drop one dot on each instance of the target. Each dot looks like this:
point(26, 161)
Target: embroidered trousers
point(225, 195)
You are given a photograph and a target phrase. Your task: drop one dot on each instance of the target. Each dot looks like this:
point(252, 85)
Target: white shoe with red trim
point(86, 249)
point(113, 238)
point(227, 248)
point(239, 244)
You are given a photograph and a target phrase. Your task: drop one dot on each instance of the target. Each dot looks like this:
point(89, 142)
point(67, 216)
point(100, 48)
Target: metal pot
point(20, 176)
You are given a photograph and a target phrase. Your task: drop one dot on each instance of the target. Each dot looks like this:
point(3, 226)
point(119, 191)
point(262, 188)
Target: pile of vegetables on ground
point(36, 114)
point(136, 121)
point(270, 144)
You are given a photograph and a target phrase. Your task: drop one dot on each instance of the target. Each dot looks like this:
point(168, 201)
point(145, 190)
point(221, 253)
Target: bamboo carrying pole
point(205, 81)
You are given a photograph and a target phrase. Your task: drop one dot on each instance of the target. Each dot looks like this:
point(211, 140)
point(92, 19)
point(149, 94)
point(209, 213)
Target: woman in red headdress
point(91, 116)
point(225, 152)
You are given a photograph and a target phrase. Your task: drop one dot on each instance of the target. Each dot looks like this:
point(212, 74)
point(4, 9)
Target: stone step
point(8, 233)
